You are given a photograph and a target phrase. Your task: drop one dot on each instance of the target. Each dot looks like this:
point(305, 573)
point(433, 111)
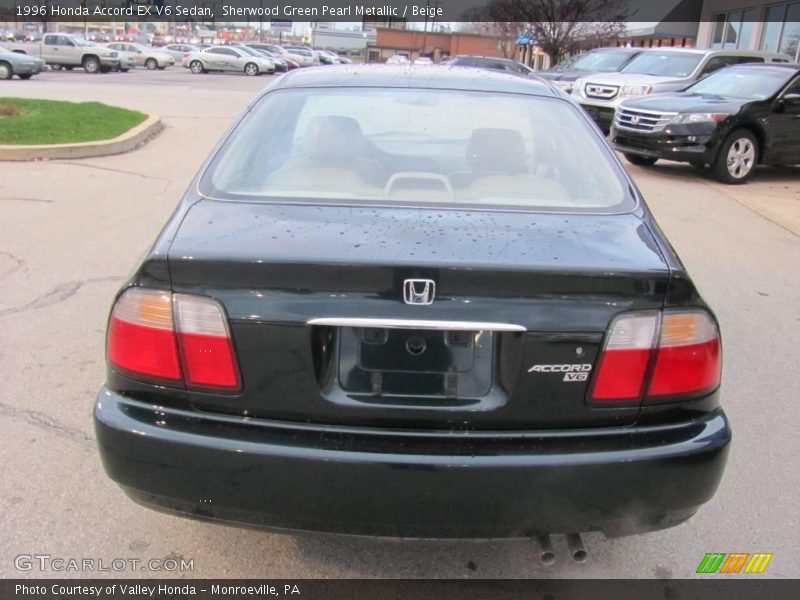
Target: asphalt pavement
point(72, 231)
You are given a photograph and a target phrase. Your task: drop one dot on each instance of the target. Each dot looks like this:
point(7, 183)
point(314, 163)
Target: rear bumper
point(409, 484)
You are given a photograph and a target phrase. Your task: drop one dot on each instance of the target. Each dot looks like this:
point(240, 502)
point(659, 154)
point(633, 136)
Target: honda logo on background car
point(419, 291)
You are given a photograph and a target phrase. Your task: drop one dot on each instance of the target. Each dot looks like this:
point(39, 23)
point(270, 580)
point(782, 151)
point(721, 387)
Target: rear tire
point(196, 67)
point(737, 158)
point(56, 67)
point(68, 67)
point(151, 64)
point(91, 65)
point(251, 69)
point(6, 70)
point(642, 161)
point(25, 76)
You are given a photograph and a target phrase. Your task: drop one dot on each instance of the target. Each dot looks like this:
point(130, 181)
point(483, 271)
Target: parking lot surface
point(72, 231)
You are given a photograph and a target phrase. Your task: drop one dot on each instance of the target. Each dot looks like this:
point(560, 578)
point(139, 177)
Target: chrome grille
point(601, 92)
point(642, 120)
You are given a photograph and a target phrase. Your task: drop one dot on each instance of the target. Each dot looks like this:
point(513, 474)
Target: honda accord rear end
point(394, 304)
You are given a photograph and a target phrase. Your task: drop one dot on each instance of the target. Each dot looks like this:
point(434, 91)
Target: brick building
point(412, 43)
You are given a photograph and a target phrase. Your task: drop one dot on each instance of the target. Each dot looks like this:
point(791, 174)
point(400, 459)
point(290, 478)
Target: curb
point(122, 143)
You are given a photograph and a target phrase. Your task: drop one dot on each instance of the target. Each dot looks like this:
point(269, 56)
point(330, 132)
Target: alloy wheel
point(741, 158)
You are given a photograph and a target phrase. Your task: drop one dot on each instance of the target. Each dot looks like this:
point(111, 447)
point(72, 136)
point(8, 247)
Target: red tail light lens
point(205, 343)
point(623, 363)
point(141, 339)
point(178, 339)
point(688, 360)
point(678, 352)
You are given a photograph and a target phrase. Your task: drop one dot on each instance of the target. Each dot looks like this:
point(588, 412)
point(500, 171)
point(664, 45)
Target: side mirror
point(792, 99)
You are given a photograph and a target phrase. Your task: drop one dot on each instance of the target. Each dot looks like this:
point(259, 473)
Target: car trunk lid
point(522, 301)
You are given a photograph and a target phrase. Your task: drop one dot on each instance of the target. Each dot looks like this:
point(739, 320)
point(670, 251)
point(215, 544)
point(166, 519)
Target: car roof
point(770, 66)
point(705, 51)
point(437, 77)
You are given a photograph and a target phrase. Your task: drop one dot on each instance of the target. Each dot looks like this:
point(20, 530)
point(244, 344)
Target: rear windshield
point(410, 146)
point(664, 64)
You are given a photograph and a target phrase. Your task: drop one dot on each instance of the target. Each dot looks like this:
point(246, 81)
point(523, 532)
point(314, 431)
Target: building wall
point(705, 32)
point(414, 43)
point(783, 33)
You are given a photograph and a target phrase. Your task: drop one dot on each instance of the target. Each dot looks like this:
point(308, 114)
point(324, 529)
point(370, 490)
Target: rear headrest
point(332, 137)
point(496, 151)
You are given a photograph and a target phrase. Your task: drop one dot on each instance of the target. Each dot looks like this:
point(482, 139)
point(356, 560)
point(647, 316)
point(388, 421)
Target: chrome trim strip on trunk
point(414, 324)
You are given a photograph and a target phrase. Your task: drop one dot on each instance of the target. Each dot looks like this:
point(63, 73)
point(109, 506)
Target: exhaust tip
point(580, 556)
point(576, 547)
point(546, 555)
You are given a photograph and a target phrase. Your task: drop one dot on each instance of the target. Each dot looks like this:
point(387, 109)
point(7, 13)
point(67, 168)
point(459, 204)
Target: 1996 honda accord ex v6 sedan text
point(394, 303)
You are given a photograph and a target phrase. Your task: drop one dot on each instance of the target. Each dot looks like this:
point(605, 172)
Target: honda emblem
point(419, 291)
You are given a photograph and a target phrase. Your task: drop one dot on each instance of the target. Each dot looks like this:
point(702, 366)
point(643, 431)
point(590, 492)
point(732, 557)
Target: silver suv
point(657, 70)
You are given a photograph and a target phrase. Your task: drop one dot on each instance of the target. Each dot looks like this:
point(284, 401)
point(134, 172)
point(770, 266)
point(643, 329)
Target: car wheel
point(151, 64)
point(121, 70)
point(251, 69)
point(642, 161)
point(25, 76)
point(56, 67)
point(6, 72)
point(68, 67)
point(737, 158)
point(196, 67)
point(91, 65)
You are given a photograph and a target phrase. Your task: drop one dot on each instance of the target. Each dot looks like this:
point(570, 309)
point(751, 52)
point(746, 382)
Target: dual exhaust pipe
point(547, 555)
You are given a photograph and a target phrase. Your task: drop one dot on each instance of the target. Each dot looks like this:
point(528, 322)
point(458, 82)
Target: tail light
point(658, 356)
point(173, 339)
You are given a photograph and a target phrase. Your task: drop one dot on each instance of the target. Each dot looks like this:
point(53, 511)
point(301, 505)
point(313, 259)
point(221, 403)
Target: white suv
point(656, 70)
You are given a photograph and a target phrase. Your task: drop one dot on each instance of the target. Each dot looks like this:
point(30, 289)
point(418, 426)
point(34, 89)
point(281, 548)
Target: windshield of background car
point(664, 64)
point(749, 84)
point(601, 61)
point(418, 146)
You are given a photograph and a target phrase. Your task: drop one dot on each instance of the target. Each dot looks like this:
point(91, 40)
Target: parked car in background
point(327, 57)
point(270, 62)
point(306, 57)
point(228, 58)
point(601, 60)
point(654, 71)
point(67, 50)
point(21, 65)
point(179, 51)
point(276, 52)
point(281, 65)
point(423, 60)
point(127, 61)
point(395, 303)
point(733, 120)
point(491, 62)
point(398, 59)
point(150, 58)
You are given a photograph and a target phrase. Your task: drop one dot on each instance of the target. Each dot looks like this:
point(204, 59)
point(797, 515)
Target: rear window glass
point(411, 146)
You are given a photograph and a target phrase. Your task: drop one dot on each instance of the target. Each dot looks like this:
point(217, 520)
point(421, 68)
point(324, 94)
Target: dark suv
point(733, 120)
